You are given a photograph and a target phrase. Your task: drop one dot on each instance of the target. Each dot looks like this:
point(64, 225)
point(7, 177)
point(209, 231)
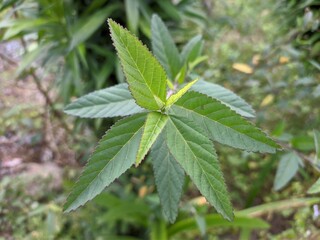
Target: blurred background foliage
point(268, 52)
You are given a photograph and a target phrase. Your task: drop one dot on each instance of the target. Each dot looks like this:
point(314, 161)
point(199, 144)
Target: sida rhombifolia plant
point(175, 122)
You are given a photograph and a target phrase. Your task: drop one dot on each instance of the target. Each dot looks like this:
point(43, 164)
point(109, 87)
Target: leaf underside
point(110, 102)
point(164, 47)
point(287, 169)
point(169, 177)
point(222, 124)
point(226, 96)
point(152, 128)
point(192, 50)
point(195, 153)
point(145, 75)
point(115, 153)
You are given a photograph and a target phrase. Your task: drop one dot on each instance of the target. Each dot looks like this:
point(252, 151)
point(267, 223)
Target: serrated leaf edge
point(277, 147)
point(66, 210)
point(146, 48)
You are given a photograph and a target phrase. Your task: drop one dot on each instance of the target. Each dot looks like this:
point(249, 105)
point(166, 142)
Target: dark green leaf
point(169, 177)
point(222, 124)
point(164, 47)
point(115, 153)
point(226, 96)
point(195, 153)
point(86, 27)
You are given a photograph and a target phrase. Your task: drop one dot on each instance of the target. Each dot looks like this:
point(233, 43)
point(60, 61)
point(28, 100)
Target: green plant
point(177, 125)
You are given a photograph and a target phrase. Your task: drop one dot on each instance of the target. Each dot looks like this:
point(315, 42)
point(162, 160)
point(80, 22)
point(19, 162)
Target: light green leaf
point(158, 230)
point(115, 153)
point(86, 27)
point(175, 97)
point(192, 50)
point(303, 143)
point(132, 13)
point(214, 220)
point(169, 177)
point(152, 128)
point(224, 95)
point(17, 26)
point(164, 47)
point(287, 168)
point(315, 188)
point(222, 124)
point(197, 61)
point(146, 77)
point(195, 153)
point(109, 102)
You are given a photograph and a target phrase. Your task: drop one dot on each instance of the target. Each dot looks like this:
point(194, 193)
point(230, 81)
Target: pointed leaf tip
point(144, 74)
point(114, 155)
point(194, 151)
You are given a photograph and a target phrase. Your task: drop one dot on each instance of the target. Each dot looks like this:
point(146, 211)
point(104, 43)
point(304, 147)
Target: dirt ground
point(32, 142)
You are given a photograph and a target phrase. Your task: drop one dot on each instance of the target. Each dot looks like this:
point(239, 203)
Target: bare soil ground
point(31, 140)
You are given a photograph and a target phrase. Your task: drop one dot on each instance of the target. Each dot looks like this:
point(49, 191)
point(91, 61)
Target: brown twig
point(8, 59)
point(42, 90)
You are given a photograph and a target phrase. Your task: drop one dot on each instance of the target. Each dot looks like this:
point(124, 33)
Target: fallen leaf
point(267, 100)
point(283, 60)
point(242, 67)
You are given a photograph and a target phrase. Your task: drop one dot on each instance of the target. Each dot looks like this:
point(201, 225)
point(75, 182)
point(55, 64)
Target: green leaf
point(287, 168)
point(115, 153)
point(182, 74)
point(195, 153)
point(224, 95)
point(222, 124)
point(28, 25)
point(170, 9)
point(146, 77)
point(109, 102)
point(192, 50)
point(158, 230)
point(175, 97)
point(169, 177)
point(303, 143)
point(132, 13)
point(164, 47)
point(215, 220)
point(152, 128)
point(86, 27)
point(316, 136)
point(315, 188)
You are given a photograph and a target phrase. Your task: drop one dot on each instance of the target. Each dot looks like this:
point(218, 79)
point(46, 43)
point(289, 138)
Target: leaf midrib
point(220, 124)
point(166, 56)
point(204, 172)
point(112, 159)
point(137, 68)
